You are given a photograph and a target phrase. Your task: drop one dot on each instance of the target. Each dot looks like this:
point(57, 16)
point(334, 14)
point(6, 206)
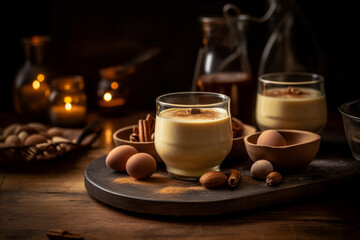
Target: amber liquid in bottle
point(236, 85)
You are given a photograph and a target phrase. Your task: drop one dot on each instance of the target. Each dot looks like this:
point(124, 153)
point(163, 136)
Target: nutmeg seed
point(213, 179)
point(273, 178)
point(261, 168)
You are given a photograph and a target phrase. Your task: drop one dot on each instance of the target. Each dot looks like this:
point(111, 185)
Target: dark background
point(89, 35)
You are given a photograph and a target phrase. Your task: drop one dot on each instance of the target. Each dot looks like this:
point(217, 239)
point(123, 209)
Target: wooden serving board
point(162, 195)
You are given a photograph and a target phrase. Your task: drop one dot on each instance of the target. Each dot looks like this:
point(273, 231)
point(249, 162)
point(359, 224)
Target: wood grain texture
point(310, 219)
point(36, 198)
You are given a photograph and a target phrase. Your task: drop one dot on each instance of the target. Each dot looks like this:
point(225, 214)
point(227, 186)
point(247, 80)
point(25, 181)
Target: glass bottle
point(223, 64)
point(68, 102)
point(31, 86)
point(113, 90)
point(291, 46)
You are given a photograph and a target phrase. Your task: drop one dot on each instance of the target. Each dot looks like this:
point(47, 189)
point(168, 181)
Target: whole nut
point(261, 168)
point(273, 178)
point(23, 136)
point(25, 128)
point(10, 129)
point(13, 140)
point(38, 126)
point(213, 179)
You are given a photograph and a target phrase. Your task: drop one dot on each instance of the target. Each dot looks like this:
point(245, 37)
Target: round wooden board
point(160, 194)
point(163, 195)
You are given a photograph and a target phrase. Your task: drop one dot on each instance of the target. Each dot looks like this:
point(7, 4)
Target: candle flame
point(67, 99)
point(68, 106)
point(40, 77)
point(36, 84)
point(114, 85)
point(107, 97)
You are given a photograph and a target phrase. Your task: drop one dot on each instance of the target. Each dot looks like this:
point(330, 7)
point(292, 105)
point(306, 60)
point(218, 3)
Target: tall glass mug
point(288, 100)
point(193, 132)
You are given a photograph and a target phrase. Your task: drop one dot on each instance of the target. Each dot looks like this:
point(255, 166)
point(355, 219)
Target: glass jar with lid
point(68, 102)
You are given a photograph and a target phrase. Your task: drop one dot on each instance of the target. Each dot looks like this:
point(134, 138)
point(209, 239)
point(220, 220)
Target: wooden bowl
point(121, 137)
point(238, 151)
point(301, 149)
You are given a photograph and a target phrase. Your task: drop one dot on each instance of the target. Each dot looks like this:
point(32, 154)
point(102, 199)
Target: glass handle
point(228, 8)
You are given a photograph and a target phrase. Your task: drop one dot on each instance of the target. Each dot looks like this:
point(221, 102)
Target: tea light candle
point(68, 114)
point(68, 102)
point(109, 101)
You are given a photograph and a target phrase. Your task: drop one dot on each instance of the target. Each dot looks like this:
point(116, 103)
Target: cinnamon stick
point(141, 130)
point(234, 177)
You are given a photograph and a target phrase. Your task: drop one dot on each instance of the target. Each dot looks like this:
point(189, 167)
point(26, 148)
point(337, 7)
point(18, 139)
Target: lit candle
point(109, 101)
point(68, 114)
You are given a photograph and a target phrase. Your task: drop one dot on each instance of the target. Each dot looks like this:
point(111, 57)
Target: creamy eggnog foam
point(300, 108)
point(192, 142)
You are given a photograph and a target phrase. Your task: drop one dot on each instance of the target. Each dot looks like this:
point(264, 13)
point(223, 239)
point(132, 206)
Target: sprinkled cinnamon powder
point(176, 190)
point(154, 179)
point(167, 185)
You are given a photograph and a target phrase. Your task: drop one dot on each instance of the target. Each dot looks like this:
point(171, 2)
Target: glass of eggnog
point(193, 132)
point(291, 100)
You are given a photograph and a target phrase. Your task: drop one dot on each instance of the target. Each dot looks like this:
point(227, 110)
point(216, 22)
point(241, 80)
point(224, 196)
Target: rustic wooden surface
point(37, 197)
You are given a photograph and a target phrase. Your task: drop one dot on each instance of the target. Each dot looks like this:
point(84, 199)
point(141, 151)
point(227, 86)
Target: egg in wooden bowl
point(298, 150)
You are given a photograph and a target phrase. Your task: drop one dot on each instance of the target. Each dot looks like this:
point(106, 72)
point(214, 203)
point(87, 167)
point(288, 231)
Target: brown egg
point(271, 138)
point(141, 165)
point(35, 139)
point(117, 158)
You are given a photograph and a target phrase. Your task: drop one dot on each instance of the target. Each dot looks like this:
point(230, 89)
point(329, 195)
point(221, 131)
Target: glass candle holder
point(113, 90)
point(68, 102)
point(291, 101)
point(193, 132)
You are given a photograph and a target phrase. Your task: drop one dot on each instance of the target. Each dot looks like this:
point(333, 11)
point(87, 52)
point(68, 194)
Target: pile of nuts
point(17, 135)
point(34, 141)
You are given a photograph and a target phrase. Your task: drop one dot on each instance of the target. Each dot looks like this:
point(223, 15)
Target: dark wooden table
point(37, 197)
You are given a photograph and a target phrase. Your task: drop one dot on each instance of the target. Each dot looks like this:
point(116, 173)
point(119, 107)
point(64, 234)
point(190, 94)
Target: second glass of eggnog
point(193, 132)
point(291, 101)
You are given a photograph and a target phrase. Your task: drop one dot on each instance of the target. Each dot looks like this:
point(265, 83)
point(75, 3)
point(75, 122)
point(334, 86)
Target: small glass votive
point(68, 102)
point(351, 120)
point(291, 100)
point(193, 132)
point(113, 90)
